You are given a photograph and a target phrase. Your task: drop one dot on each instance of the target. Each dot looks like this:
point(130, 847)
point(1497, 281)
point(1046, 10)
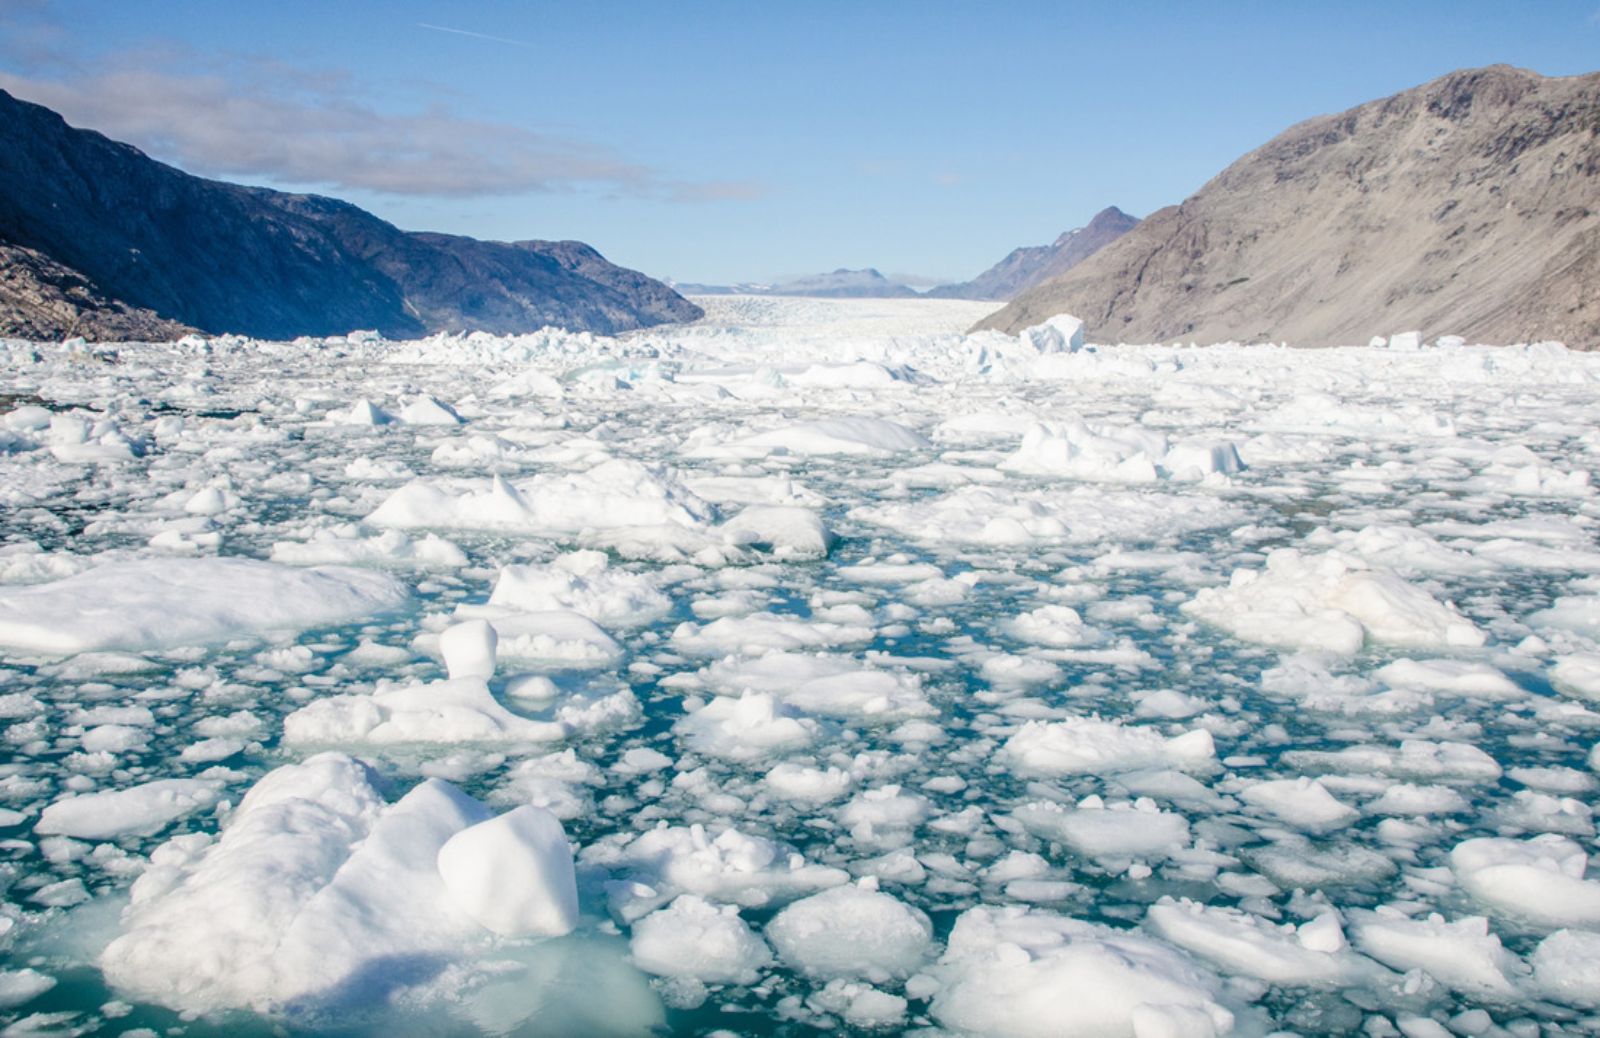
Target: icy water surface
point(883, 680)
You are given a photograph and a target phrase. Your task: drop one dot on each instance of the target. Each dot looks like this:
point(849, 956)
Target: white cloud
point(255, 118)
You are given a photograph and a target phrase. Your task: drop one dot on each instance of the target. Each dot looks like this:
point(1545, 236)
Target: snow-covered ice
point(815, 668)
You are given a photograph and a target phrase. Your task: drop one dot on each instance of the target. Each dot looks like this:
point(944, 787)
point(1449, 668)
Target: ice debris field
point(813, 668)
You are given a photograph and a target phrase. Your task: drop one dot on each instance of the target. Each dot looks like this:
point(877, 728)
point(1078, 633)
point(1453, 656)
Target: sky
point(723, 142)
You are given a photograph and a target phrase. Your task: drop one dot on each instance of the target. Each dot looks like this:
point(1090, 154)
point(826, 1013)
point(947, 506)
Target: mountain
point(1469, 205)
point(1028, 266)
point(841, 284)
point(845, 284)
point(41, 299)
point(226, 258)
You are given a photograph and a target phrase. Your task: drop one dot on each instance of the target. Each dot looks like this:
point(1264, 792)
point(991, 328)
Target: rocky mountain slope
point(1469, 205)
point(226, 258)
point(41, 299)
point(1028, 266)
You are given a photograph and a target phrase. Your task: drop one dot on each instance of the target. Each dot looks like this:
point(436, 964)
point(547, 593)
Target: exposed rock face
point(1028, 266)
point(227, 258)
point(41, 299)
point(1469, 205)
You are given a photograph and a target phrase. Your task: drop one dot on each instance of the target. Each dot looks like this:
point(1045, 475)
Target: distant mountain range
point(101, 240)
point(1022, 269)
point(1469, 205)
point(1028, 266)
point(841, 284)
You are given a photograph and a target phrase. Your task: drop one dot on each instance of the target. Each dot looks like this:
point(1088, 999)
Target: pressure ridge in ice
point(816, 668)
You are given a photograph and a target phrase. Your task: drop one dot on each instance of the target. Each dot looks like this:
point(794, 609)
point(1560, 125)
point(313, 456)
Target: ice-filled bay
point(814, 667)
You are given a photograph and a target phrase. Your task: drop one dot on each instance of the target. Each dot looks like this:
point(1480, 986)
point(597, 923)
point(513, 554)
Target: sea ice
point(165, 603)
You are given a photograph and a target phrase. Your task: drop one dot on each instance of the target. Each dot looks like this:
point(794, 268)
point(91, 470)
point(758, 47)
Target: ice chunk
point(852, 931)
point(164, 603)
point(582, 582)
point(1091, 746)
point(1578, 674)
point(513, 874)
point(1538, 881)
point(459, 710)
point(866, 436)
point(142, 809)
point(20, 986)
point(1062, 333)
point(1311, 955)
point(1332, 602)
point(813, 785)
point(694, 938)
point(427, 410)
point(615, 494)
point(1005, 971)
point(469, 650)
point(787, 531)
point(732, 866)
point(1460, 677)
point(1302, 802)
point(1413, 758)
point(1566, 967)
point(746, 728)
point(1115, 831)
point(1462, 955)
point(313, 884)
point(822, 685)
point(1077, 450)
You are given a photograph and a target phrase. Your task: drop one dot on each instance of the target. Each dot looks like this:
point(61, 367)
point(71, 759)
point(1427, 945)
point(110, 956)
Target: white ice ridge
point(316, 882)
point(166, 603)
point(1331, 602)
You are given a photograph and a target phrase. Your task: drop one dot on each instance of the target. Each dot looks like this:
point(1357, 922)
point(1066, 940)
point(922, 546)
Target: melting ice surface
point(812, 668)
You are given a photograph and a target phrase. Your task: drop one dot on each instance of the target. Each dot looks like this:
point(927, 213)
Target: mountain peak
point(1030, 265)
point(1465, 205)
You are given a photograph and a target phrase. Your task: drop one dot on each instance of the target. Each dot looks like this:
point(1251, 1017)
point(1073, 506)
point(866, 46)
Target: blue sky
point(734, 141)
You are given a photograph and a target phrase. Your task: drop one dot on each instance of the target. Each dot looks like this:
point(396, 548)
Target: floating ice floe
point(165, 603)
point(654, 867)
point(1539, 881)
point(827, 436)
point(1109, 832)
point(582, 582)
point(316, 883)
point(852, 931)
point(1088, 745)
point(460, 709)
point(1311, 954)
point(1462, 955)
point(143, 809)
point(615, 494)
point(695, 938)
point(1005, 971)
point(1118, 455)
point(1332, 602)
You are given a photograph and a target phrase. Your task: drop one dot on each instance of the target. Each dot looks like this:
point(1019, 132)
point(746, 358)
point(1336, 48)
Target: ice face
point(817, 668)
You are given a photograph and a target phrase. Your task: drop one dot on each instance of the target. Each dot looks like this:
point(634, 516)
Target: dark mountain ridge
point(223, 257)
